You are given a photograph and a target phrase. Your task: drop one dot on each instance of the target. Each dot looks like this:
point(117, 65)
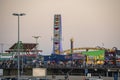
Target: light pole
point(36, 37)
point(18, 46)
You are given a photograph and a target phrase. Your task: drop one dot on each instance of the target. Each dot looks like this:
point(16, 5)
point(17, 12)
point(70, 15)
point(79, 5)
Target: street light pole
point(18, 46)
point(36, 37)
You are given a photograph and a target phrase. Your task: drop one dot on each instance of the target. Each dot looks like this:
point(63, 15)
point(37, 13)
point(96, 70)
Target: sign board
point(98, 54)
point(77, 56)
point(39, 72)
point(1, 72)
point(88, 74)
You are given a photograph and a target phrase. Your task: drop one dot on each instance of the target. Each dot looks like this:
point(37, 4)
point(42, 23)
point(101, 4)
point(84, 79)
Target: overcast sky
point(90, 22)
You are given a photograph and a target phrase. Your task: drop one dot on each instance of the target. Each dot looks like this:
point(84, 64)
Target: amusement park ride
point(57, 42)
point(57, 39)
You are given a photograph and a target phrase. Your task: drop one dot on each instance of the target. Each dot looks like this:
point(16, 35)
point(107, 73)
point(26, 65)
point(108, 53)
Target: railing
point(14, 66)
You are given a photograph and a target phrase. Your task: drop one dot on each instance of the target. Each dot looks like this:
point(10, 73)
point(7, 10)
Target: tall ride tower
point(57, 36)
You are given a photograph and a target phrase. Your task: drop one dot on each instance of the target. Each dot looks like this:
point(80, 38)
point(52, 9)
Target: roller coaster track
point(84, 48)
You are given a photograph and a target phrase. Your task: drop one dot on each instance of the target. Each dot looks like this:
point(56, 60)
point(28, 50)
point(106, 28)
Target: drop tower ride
point(57, 36)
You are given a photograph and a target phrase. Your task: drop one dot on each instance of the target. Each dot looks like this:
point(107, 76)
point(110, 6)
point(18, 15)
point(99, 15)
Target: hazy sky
point(90, 22)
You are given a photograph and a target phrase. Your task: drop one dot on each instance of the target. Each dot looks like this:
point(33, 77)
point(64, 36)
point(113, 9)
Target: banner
point(77, 56)
point(39, 72)
point(98, 54)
